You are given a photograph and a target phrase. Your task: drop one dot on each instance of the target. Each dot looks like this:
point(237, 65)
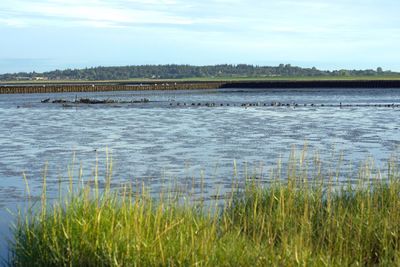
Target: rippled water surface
point(161, 139)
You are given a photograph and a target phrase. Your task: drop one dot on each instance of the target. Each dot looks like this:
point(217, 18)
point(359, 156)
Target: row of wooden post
point(103, 88)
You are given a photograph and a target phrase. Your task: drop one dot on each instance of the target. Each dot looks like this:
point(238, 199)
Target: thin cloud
point(13, 22)
point(201, 31)
point(95, 13)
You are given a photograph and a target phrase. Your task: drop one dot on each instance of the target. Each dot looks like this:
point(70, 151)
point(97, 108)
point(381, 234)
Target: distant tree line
point(186, 71)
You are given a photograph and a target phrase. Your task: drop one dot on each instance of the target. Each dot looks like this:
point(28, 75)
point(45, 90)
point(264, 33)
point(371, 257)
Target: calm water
point(161, 140)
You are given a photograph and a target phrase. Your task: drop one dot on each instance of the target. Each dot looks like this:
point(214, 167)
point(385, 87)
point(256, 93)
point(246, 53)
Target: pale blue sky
point(40, 35)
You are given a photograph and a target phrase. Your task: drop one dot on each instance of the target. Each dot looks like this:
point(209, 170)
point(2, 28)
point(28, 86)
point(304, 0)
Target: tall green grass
point(307, 218)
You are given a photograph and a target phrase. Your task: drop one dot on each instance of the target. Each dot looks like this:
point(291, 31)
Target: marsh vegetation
point(309, 217)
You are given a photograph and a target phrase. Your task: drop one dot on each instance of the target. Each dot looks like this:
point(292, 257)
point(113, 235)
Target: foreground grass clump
point(301, 220)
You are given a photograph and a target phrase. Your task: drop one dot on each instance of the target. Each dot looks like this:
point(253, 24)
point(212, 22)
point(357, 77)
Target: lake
point(188, 136)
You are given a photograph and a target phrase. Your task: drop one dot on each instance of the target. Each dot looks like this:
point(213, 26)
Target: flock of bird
point(175, 103)
point(279, 104)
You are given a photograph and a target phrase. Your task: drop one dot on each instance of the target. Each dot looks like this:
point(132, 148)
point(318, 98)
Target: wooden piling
point(195, 85)
point(32, 89)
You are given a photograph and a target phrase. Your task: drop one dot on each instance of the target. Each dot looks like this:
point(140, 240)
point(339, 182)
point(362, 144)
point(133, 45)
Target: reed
point(307, 218)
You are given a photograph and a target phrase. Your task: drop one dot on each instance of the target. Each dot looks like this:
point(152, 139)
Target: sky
point(42, 35)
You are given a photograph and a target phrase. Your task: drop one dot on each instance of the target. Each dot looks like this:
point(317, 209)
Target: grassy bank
point(305, 219)
point(217, 79)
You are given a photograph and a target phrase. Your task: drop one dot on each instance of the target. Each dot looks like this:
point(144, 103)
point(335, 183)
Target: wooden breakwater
point(315, 84)
point(69, 88)
point(85, 87)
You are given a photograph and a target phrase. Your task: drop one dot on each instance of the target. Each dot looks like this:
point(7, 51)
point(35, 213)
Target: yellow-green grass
point(219, 79)
point(307, 218)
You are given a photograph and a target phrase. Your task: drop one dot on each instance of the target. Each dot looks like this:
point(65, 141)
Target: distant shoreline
point(100, 86)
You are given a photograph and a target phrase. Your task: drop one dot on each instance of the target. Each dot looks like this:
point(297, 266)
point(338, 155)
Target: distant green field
point(293, 78)
point(219, 79)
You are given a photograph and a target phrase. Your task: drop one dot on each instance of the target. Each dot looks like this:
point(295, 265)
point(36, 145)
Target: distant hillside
point(186, 71)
